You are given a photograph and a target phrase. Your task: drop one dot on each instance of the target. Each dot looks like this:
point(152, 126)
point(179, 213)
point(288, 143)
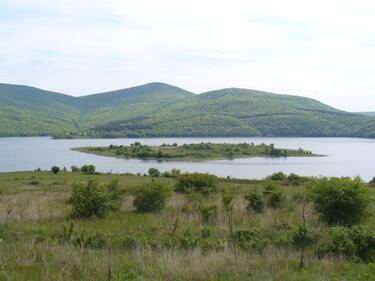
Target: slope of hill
point(30, 111)
point(367, 113)
point(159, 109)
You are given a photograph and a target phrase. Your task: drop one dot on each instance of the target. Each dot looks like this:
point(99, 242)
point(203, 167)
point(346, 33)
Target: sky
point(320, 49)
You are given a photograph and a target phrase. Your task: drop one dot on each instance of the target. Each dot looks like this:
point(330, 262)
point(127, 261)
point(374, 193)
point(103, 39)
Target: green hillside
point(367, 113)
point(159, 109)
point(28, 111)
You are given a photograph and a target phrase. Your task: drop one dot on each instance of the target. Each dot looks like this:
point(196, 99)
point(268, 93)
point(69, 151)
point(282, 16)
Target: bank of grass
point(144, 246)
point(195, 152)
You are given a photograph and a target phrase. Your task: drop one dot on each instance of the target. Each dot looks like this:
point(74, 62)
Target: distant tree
point(153, 172)
point(74, 169)
point(55, 170)
point(88, 169)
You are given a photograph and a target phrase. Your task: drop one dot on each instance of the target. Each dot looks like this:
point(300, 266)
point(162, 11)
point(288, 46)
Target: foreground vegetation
point(81, 225)
point(200, 151)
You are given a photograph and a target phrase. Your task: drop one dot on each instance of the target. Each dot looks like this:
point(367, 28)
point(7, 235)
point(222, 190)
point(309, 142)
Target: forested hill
point(159, 109)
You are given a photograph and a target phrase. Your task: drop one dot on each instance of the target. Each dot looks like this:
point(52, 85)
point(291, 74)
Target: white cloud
point(321, 49)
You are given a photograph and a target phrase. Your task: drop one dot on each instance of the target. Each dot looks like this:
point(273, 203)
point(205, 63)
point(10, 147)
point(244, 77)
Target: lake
point(345, 157)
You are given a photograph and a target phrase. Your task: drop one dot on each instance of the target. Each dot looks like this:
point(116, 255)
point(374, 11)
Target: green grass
point(33, 211)
point(194, 152)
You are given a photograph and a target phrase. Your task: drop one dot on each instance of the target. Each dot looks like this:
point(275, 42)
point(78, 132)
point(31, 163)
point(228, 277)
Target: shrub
point(89, 241)
point(255, 202)
point(88, 169)
point(274, 195)
point(153, 172)
point(55, 170)
point(341, 201)
point(114, 195)
point(151, 197)
point(250, 239)
point(301, 238)
point(356, 243)
point(279, 176)
point(209, 214)
point(74, 169)
point(196, 182)
point(94, 200)
point(294, 179)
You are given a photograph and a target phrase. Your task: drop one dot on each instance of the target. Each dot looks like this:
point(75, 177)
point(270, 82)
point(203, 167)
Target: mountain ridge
point(160, 109)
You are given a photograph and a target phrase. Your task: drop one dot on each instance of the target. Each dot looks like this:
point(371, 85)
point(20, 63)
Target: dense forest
point(158, 109)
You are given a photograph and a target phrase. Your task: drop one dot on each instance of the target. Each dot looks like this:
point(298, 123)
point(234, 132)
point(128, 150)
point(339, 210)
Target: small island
point(195, 151)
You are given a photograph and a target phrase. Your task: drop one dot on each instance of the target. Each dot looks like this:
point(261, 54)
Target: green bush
point(301, 238)
point(151, 197)
point(273, 195)
point(196, 182)
point(341, 201)
point(153, 172)
point(93, 199)
point(356, 243)
point(74, 169)
point(89, 241)
point(279, 176)
point(55, 170)
point(88, 169)
point(250, 239)
point(255, 202)
point(209, 214)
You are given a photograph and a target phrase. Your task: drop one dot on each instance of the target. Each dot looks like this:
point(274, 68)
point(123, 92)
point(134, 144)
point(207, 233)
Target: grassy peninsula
point(181, 227)
point(194, 152)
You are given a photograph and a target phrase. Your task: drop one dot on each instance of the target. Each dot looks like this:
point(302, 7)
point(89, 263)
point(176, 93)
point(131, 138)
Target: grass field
point(173, 244)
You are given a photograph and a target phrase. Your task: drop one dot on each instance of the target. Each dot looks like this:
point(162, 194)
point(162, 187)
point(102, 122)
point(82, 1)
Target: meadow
point(198, 235)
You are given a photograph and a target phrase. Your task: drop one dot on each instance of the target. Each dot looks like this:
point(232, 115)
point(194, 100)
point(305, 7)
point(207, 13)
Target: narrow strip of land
point(195, 152)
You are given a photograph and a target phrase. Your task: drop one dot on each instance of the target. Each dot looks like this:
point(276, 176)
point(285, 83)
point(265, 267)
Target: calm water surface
point(345, 157)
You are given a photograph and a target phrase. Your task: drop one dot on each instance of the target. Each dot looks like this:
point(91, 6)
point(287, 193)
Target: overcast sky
point(324, 49)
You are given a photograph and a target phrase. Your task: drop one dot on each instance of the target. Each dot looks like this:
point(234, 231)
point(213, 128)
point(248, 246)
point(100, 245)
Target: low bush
point(88, 169)
point(209, 214)
point(356, 243)
point(204, 183)
point(153, 172)
point(279, 176)
point(273, 195)
point(93, 199)
point(250, 239)
point(74, 169)
point(254, 202)
point(341, 201)
point(151, 197)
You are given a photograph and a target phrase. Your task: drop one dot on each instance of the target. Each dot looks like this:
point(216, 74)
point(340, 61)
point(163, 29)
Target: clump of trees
point(94, 200)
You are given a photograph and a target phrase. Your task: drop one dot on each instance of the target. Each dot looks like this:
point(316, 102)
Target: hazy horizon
point(321, 50)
